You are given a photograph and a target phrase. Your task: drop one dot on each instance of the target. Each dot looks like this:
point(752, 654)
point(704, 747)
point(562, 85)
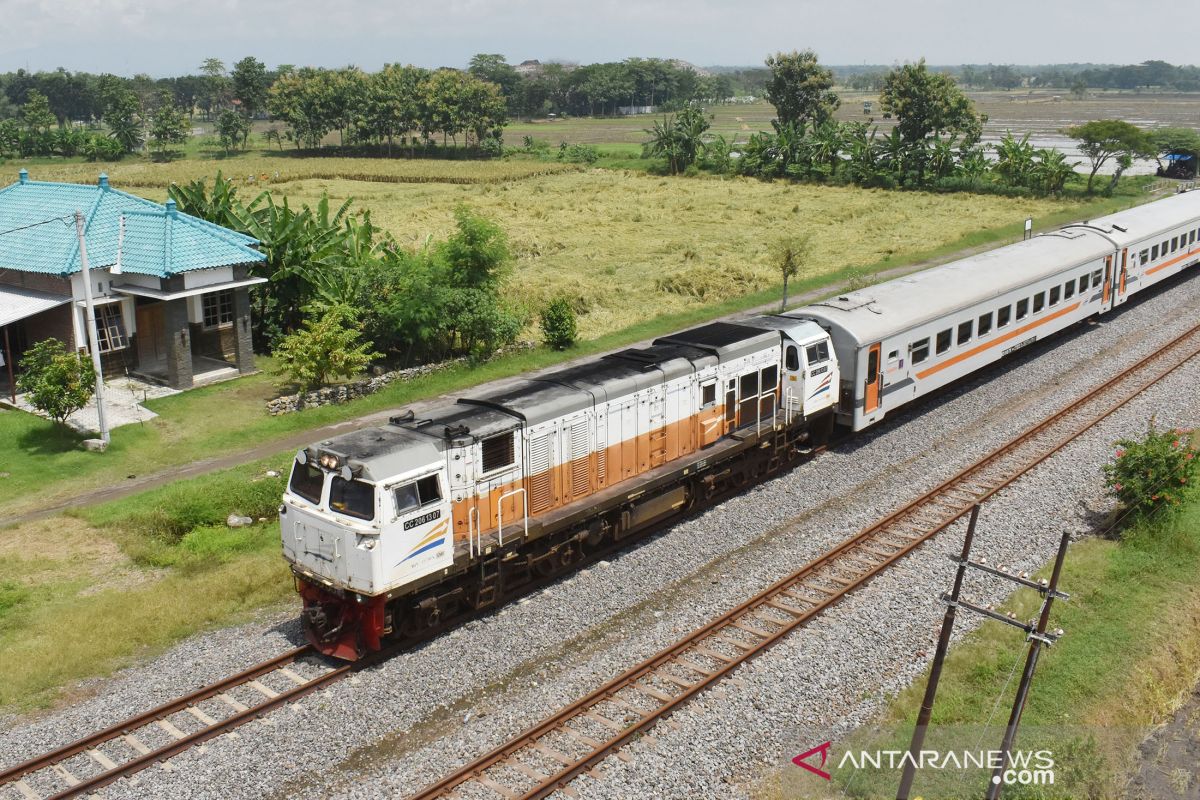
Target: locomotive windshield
point(307, 481)
point(352, 498)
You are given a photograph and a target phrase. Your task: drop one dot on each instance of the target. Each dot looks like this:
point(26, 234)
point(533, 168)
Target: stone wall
point(349, 391)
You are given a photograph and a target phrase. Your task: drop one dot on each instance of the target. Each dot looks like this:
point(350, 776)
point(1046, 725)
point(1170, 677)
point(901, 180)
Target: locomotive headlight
point(329, 461)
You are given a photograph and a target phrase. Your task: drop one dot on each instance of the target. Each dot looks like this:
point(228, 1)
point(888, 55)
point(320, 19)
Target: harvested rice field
point(625, 247)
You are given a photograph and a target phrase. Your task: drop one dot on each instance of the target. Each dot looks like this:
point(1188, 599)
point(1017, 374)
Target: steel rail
point(916, 532)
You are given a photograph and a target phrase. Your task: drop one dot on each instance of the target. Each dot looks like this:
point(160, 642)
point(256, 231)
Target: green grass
point(88, 593)
point(1131, 649)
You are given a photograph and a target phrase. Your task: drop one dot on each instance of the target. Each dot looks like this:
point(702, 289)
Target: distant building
point(530, 67)
point(175, 309)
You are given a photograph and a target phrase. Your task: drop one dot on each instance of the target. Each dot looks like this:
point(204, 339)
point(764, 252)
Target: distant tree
point(790, 255)
point(493, 68)
point(328, 346)
point(233, 129)
point(54, 380)
point(925, 102)
point(680, 139)
point(1079, 88)
point(249, 84)
point(800, 88)
point(558, 324)
point(121, 116)
point(36, 113)
point(1104, 139)
point(168, 126)
point(1175, 140)
point(214, 87)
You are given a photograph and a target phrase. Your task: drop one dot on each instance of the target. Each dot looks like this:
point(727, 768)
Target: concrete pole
point(93, 341)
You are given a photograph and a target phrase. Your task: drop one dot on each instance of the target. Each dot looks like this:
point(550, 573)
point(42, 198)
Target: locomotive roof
point(384, 452)
point(1147, 220)
point(459, 419)
point(535, 401)
point(726, 340)
point(898, 305)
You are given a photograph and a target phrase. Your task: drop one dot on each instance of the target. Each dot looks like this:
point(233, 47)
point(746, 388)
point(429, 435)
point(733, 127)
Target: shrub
point(1153, 472)
point(559, 327)
point(327, 347)
point(54, 380)
point(578, 153)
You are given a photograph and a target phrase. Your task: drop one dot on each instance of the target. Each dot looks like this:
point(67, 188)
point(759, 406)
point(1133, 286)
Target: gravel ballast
point(393, 728)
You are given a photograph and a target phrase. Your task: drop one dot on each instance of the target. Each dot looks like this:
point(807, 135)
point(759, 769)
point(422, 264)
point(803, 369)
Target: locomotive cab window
point(1022, 308)
point(817, 353)
point(307, 481)
point(417, 493)
point(1068, 290)
point(499, 452)
point(791, 359)
point(943, 341)
point(1055, 293)
point(920, 351)
point(985, 324)
point(1003, 316)
point(708, 394)
point(1039, 302)
point(352, 498)
point(965, 330)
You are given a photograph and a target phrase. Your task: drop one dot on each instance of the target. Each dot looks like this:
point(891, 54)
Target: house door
point(151, 337)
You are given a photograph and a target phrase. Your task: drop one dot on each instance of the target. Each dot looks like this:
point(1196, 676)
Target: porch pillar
point(243, 344)
point(179, 343)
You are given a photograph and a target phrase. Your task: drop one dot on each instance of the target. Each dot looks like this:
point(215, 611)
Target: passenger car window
point(1083, 283)
point(307, 481)
point(965, 329)
point(353, 498)
point(943, 341)
point(1096, 278)
point(1023, 308)
point(1039, 302)
point(1154, 252)
point(1174, 243)
point(1003, 316)
point(1069, 289)
point(1145, 256)
point(920, 351)
point(1054, 295)
point(985, 323)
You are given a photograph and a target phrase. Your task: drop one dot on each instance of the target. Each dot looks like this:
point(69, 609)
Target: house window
point(110, 328)
point(218, 308)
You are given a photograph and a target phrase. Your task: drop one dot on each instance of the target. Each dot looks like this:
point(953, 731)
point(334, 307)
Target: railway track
point(546, 757)
point(127, 747)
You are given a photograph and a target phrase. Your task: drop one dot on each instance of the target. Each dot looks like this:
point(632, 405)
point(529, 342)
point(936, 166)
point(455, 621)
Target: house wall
point(37, 281)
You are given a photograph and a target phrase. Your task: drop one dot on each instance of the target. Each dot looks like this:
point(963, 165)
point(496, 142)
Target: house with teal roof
point(171, 291)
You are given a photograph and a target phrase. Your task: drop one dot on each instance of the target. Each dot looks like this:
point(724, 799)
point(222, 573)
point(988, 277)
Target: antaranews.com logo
point(1023, 767)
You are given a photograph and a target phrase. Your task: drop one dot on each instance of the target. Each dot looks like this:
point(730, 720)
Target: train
point(396, 531)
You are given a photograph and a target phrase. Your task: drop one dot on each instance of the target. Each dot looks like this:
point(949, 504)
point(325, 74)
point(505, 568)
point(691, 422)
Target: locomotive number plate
point(421, 520)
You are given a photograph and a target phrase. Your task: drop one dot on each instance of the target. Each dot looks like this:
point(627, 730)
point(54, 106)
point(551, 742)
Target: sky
point(170, 38)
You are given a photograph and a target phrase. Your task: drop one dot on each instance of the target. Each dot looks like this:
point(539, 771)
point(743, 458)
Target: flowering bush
point(1153, 472)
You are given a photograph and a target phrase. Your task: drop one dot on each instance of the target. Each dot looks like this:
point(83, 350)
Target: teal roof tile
point(37, 232)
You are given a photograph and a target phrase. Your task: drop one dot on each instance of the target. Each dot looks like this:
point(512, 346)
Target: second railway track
point(548, 756)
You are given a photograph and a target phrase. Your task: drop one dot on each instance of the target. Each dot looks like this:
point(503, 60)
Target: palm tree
point(1051, 171)
point(1014, 159)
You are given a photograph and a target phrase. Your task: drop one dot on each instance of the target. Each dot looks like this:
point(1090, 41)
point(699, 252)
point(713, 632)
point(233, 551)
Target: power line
point(66, 220)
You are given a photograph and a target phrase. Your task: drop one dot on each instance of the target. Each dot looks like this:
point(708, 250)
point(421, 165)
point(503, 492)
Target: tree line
point(934, 143)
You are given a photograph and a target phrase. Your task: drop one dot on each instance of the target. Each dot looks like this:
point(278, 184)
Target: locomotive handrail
point(473, 548)
point(500, 512)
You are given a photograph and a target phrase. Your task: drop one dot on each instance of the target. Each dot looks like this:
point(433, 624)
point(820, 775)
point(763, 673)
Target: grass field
point(626, 247)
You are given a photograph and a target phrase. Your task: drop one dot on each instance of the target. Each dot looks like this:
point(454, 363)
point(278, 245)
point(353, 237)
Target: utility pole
point(939, 658)
point(1037, 635)
point(93, 342)
point(1036, 640)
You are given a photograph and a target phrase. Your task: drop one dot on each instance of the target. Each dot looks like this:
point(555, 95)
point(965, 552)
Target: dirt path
point(1168, 767)
point(301, 438)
